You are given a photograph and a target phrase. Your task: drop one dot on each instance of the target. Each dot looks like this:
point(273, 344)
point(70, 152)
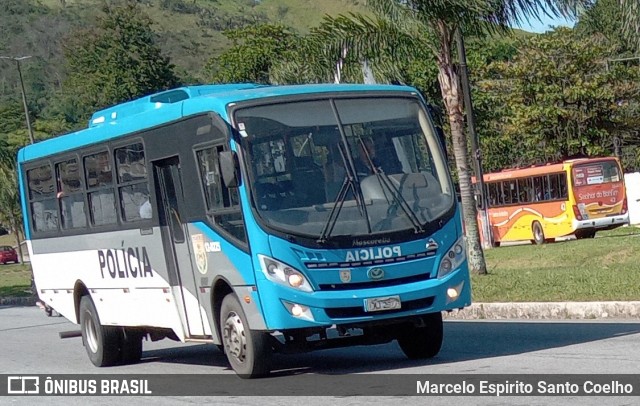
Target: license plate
point(378, 304)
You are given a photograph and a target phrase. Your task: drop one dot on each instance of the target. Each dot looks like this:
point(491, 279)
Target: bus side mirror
point(479, 201)
point(229, 168)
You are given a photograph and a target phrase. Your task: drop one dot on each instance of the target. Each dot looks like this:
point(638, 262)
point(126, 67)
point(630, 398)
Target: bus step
point(70, 334)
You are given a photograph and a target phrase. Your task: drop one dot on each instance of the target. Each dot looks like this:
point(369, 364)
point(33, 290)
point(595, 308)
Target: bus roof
point(139, 114)
point(538, 169)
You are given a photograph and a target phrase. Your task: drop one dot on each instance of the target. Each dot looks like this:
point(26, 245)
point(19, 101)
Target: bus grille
point(376, 284)
point(349, 312)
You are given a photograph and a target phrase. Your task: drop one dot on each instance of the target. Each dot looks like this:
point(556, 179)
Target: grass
point(15, 280)
point(601, 269)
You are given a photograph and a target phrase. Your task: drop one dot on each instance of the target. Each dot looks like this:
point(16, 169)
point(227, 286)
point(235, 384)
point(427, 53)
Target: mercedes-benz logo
point(375, 273)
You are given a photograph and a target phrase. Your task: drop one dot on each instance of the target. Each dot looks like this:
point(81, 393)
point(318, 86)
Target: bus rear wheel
point(130, 346)
point(585, 234)
point(424, 341)
point(248, 351)
point(101, 342)
point(538, 233)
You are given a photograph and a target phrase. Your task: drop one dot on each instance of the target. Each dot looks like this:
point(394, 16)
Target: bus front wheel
point(538, 233)
point(248, 351)
point(424, 341)
point(101, 342)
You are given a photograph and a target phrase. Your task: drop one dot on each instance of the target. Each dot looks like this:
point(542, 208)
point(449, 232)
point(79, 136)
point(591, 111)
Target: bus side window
point(562, 179)
point(71, 195)
point(99, 181)
point(507, 192)
point(493, 194)
point(554, 186)
point(133, 189)
point(42, 195)
point(538, 189)
point(525, 189)
point(546, 188)
point(222, 203)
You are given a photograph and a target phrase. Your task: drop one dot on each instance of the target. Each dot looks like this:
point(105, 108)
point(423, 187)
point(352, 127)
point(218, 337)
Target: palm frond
point(631, 20)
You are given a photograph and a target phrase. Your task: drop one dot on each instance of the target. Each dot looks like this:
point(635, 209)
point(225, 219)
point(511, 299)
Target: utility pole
point(31, 138)
point(481, 195)
point(24, 96)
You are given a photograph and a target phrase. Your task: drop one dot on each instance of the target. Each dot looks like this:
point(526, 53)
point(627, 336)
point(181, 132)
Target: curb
point(18, 301)
point(498, 311)
point(549, 311)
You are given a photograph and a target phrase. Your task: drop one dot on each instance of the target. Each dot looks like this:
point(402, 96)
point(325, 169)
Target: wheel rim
point(235, 341)
point(537, 232)
point(90, 334)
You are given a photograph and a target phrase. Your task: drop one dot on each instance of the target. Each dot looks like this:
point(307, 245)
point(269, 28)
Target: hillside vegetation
point(189, 31)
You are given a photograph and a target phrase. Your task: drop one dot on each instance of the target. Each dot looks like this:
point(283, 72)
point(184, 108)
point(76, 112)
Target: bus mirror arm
point(229, 168)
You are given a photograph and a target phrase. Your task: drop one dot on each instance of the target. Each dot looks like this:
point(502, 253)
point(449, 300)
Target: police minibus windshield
point(300, 154)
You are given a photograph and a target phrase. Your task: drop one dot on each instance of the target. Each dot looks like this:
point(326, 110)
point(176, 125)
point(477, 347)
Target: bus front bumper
point(348, 307)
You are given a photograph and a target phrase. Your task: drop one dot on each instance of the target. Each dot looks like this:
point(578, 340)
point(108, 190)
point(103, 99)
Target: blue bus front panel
point(344, 282)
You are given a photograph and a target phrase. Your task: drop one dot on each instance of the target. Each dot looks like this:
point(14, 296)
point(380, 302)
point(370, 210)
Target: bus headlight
point(453, 258)
point(283, 274)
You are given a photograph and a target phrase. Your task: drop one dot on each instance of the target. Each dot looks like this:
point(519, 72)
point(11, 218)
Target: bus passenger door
point(174, 237)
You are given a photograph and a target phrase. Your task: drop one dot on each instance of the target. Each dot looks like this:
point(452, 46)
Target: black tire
point(424, 341)
point(248, 351)
point(538, 233)
point(585, 234)
point(130, 346)
point(101, 342)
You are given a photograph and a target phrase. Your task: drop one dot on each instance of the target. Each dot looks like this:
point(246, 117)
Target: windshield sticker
point(242, 130)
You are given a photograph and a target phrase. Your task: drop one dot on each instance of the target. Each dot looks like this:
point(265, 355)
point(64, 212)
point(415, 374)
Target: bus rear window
point(596, 173)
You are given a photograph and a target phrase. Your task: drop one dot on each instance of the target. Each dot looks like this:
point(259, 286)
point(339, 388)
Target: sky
point(545, 24)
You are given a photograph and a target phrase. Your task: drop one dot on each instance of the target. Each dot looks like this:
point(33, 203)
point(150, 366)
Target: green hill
point(189, 31)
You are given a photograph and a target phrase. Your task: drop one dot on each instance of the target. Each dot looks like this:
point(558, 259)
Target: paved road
point(30, 344)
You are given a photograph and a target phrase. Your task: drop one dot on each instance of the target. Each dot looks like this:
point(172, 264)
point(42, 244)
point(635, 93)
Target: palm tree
point(402, 28)
point(631, 20)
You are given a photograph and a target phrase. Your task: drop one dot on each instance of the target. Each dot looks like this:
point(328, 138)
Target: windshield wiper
point(398, 200)
point(396, 193)
point(350, 182)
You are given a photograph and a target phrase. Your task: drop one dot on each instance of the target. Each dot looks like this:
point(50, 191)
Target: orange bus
point(541, 203)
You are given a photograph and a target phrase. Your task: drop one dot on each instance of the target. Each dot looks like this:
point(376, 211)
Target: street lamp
point(24, 97)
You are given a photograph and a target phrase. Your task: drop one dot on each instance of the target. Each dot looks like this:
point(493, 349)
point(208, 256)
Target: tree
point(605, 18)
point(10, 213)
point(562, 99)
point(115, 61)
point(255, 49)
point(402, 26)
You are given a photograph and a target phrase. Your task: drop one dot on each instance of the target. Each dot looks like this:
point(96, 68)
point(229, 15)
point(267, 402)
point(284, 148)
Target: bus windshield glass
point(595, 173)
point(374, 162)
